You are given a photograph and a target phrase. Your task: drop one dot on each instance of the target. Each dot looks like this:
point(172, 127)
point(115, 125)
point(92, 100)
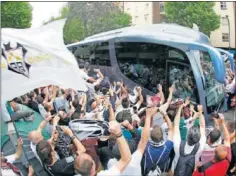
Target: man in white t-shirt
point(158, 117)
point(7, 167)
point(84, 74)
point(134, 166)
point(192, 137)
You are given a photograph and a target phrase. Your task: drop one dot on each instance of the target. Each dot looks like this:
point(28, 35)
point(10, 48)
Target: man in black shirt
point(58, 167)
point(32, 103)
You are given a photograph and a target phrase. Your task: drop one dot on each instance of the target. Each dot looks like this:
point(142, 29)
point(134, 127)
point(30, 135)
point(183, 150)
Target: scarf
point(13, 168)
point(156, 144)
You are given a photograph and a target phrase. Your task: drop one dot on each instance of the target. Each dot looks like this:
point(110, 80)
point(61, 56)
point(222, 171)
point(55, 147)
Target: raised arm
point(54, 93)
point(111, 111)
point(114, 128)
point(169, 124)
point(201, 120)
point(122, 88)
point(171, 90)
point(140, 95)
point(146, 129)
point(159, 87)
point(79, 146)
point(101, 77)
point(84, 103)
point(221, 121)
point(177, 120)
point(46, 96)
point(43, 124)
point(19, 149)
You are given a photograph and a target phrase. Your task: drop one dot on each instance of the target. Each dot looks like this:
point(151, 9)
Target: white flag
point(33, 58)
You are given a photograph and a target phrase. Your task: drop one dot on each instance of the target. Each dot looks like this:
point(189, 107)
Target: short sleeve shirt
point(11, 158)
point(134, 166)
point(6, 171)
point(188, 149)
point(218, 169)
point(110, 172)
point(152, 154)
point(84, 75)
point(63, 167)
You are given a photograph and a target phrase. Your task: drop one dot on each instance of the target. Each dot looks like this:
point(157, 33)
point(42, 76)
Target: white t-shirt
point(9, 172)
point(110, 172)
point(134, 166)
point(83, 74)
point(187, 149)
point(230, 88)
point(158, 118)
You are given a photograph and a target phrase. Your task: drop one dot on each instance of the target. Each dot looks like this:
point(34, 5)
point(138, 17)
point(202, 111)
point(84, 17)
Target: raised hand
point(114, 128)
point(67, 130)
point(172, 88)
point(200, 108)
point(151, 111)
point(159, 87)
point(187, 101)
point(19, 142)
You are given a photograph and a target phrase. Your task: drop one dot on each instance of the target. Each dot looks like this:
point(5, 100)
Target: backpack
point(204, 167)
point(186, 162)
point(155, 169)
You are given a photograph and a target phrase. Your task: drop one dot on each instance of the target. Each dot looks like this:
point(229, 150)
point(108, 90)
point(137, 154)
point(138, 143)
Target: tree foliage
point(187, 13)
point(73, 31)
point(98, 17)
point(16, 15)
point(87, 18)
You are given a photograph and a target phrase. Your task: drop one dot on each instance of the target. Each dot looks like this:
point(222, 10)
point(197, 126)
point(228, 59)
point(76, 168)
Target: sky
point(42, 11)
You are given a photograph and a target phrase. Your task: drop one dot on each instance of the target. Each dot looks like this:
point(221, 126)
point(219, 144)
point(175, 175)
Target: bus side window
point(102, 56)
point(145, 63)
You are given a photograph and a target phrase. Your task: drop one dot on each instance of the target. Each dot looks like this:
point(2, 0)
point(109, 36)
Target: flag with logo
point(33, 58)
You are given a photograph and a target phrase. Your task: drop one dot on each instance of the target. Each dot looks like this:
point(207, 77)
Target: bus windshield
point(213, 89)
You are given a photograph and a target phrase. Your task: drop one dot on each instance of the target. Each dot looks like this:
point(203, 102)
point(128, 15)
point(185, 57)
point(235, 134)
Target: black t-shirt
point(33, 105)
point(63, 167)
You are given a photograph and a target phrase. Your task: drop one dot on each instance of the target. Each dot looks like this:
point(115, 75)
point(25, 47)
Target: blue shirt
point(155, 153)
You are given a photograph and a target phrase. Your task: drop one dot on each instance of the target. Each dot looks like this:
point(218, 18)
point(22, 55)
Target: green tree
point(16, 15)
point(187, 13)
point(98, 16)
point(73, 31)
point(63, 14)
point(87, 18)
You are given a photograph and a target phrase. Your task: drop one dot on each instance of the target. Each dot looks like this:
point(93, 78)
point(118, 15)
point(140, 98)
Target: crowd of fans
point(110, 130)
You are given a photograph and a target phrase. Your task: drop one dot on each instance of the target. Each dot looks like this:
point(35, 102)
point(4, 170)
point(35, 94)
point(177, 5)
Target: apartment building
point(225, 36)
point(153, 12)
point(145, 12)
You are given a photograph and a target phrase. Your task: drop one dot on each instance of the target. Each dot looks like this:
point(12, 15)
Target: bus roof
point(167, 31)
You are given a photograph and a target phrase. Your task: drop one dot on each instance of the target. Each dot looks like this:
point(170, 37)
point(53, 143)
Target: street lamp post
point(229, 29)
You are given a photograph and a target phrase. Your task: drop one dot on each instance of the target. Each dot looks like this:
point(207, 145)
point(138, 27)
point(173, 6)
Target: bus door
point(180, 74)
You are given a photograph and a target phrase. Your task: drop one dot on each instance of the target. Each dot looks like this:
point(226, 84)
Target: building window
point(147, 6)
point(224, 21)
point(225, 37)
point(162, 8)
point(223, 5)
point(146, 18)
point(136, 19)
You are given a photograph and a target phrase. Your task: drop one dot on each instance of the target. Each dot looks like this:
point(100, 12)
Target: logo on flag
point(15, 58)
